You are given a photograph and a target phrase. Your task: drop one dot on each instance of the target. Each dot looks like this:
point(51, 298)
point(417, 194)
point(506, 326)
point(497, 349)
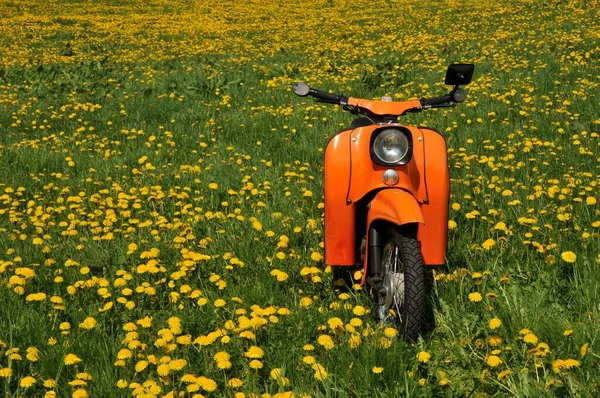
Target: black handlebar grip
point(435, 100)
point(325, 96)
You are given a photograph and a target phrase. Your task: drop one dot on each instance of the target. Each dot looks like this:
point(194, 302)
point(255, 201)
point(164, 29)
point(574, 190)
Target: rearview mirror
point(459, 74)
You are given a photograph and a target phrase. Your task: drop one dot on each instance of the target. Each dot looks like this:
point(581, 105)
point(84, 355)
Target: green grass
point(207, 99)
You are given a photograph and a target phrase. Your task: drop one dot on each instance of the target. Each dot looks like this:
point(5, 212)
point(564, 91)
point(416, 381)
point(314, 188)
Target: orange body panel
point(384, 108)
point(434, 234)
point(339, 215)
point(367, 176)
point(395, 206)
point(421, 194)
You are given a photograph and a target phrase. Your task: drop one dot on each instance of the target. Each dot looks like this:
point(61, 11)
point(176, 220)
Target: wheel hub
point(393, 283)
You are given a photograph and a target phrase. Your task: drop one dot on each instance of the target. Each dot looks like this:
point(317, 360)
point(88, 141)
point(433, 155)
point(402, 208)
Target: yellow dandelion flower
point(163, 369)
point(141, 365)
point(584, 349)
point(27, 382)
point(71, 359)
point(88, 323)
point(6, 372)
point(320, 373)
point(235, 383)
point(254, 352)
point(359, 310)
point(493, 360)
point(315, 256)
point(305, 302)
point(495, 323)
point(32, 354)
point(256, 364)
point(568, 256)
point(213, 185)
point(354, 341)
point(475, 297)
point(377, 369)
point(325, 341)
point(488, 244)
point(390, 332)
point(504, 374)
point(219, 303)
point(530, 338)
point(309, 359)
point(423, 356)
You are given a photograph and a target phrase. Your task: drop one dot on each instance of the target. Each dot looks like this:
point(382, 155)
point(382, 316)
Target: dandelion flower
point(530, 338)
point(493, 360)
point(495, 323)
point(235, 383)
point(71, 359)
point(568, 256)
point(254, 352)
point(326, 341)
point(88, 323)
point(423, 356)
point(27, 382)
point(320, 373)
point(6, 372)
point(584, 349)
point(377, 369)
point(475, 297)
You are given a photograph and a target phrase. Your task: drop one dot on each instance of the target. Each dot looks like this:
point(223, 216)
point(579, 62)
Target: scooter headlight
point(391, 147)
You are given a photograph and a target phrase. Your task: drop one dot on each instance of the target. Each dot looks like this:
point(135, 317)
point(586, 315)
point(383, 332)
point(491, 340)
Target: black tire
point(402, 264)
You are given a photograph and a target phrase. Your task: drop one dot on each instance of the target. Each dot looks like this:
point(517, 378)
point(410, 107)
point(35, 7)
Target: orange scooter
point(386, 198)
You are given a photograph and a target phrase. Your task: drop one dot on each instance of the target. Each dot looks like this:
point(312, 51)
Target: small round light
point(390, 177)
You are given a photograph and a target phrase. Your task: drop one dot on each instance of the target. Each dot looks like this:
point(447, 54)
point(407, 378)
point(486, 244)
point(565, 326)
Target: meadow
point(161, 198)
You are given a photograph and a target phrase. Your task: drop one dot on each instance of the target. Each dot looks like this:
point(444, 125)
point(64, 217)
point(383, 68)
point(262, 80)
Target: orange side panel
point(434, 234)
point(340, 220)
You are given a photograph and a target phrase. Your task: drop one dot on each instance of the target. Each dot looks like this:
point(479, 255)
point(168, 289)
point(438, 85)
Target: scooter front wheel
point(400, 298)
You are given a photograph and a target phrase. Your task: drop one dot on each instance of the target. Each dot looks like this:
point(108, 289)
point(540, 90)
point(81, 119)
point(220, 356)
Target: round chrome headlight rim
point(391, 146)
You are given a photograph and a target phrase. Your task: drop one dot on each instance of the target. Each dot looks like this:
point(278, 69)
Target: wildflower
point(475, 297)
point(235, 383)
point(6, 372)
point(377, 369)
point(27, 382)
point(530, 338)
point(326, 341)
point(309, 359)
point(305, 302)
point(354, 341)
point(254, 352)
point(423, 356)
point(315, 256)
point(32, 354)
point(495, 323)
point(505, 373)
point(568, 256)
point(256, 364)
point(335, 324)
point(320, 373)
point(390, 332)
point(359, 310)
point(584, 349)
point(493, 360)
point(71, 359)
point(488, 244)
point(88, 323)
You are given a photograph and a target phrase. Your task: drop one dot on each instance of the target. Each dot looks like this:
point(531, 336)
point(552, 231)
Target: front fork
point(374, 279)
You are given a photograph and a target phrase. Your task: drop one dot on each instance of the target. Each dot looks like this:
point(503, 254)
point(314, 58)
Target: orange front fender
point(395, 206)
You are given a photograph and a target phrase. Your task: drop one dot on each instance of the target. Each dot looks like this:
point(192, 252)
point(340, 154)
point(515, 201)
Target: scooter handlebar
point(302, 89)
point(429, 102)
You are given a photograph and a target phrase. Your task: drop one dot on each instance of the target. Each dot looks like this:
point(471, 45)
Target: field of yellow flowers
point(161, 198)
